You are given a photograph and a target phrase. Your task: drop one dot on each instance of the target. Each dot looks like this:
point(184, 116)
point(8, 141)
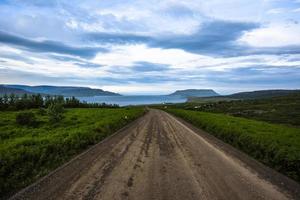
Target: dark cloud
point(153, 79)
point(214, 38)
point(79, 62)
point(117, 38)
point(48, 46)
point(17, 57)
point(86, 64)
point(179, 11)
point(65, 58)
point(119, 70)
point(20, 77)
point(284, 50)
point(280, 76)
point(149, 67)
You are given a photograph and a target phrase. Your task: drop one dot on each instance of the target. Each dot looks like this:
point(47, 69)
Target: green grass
point(278, 110)
point(277, 146)
point(27, 153)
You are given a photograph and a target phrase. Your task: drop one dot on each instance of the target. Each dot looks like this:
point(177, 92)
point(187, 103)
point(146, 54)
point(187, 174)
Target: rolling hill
point(195, 93)
point(261, 94)
point(6, 90)
point(56, 90)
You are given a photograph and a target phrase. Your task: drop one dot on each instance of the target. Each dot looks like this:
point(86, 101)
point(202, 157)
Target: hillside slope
point(262, 94)
point(63, 90)
point(6, 90)
point(195, 93)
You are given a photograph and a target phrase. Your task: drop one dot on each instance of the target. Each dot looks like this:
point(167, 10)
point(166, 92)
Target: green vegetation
point(29, 152)
point(14, 102)
point(279, 110)
point(262, 94)
point(277, 146)
point(208, 99)
point(55, 112)
point(26, 118)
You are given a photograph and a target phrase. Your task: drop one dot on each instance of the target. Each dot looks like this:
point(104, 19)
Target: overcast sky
point(153, 46)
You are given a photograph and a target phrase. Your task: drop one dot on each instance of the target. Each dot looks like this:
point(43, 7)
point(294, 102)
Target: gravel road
point(161, 157)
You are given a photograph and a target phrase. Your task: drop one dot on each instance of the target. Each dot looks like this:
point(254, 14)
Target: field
point(279, 110)
point(277, 146)
point(27, 153)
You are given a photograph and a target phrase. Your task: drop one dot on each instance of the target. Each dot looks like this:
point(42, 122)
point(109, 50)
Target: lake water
point(134, 100)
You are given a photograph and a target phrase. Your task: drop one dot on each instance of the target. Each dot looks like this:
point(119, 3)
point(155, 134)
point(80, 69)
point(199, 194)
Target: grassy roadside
point(278, 110)
point(27, 153)
point(277, 146)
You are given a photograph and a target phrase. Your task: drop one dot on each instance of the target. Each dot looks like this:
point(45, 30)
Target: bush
point(55, 112)
point(26, 118)
point(42, 111)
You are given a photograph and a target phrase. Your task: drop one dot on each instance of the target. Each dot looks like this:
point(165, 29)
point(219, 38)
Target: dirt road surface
point(160, 157)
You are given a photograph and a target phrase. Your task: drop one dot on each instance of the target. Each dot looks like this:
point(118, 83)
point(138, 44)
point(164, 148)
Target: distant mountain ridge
point(16, 91)
point(56, 90)
point(195, 93)
point(261, 94)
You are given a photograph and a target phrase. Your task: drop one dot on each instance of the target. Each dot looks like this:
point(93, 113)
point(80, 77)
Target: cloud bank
point(151, 46)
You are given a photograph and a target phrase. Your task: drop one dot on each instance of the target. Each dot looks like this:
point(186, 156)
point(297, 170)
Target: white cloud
point(276, 11)
point(128, 54)
point(274, 35)
point(296, 10)
point(133, 88)
point(156, 18)
point(43, 65)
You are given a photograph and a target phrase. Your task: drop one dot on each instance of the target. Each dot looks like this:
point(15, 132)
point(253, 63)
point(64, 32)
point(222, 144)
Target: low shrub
point(26, 119)
point(42, 111)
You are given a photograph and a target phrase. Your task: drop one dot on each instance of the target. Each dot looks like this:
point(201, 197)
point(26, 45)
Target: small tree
point(55, 112)
point(1, 103)
point(37, 101)
point(48, 101)
point(12, 99)
point(5, 100)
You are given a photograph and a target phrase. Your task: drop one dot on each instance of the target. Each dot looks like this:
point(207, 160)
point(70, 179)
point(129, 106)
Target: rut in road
point(156, 157)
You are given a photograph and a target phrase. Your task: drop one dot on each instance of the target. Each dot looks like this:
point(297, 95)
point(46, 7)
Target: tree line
point(26, 101)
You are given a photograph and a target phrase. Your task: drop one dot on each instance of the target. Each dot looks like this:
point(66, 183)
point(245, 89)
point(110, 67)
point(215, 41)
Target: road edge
point(282, 182)
point(31, 188)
